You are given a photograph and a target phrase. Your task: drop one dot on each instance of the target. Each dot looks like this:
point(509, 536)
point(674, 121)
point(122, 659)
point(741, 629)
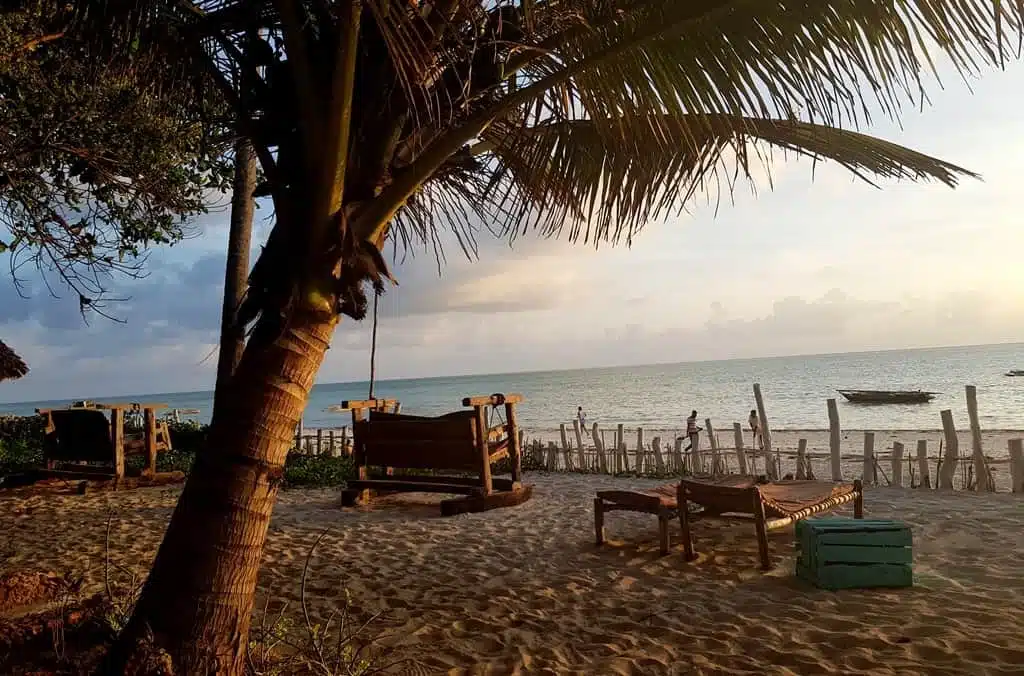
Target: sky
point(815, 262)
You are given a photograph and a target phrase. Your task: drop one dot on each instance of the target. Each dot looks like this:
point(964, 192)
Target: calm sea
point(660, 396)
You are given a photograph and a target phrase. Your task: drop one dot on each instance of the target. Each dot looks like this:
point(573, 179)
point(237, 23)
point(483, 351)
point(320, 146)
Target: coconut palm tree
point(399, 120)
point(236, 268)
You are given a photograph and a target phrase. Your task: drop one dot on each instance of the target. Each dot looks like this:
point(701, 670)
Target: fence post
point(949, 463)
point(980, 469)
point(565, 446)
point(640, 464)
point(620, 450)
point(716, 461)
point(659, 461)
point(1016, 449)
point(801, 458)
point(741, 456)
point(868, 474)
point(552, 461)
point(602, 464)
point(835, 440)
point(580, 453)
point(897, 464)
point(922, 463)
point(766, 434)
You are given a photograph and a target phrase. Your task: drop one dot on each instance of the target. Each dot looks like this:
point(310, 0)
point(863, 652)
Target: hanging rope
point(373, 346)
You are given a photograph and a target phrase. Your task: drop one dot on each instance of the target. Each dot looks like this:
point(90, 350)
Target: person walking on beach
point(755, 430)
point(693, 432)
point(581, 417)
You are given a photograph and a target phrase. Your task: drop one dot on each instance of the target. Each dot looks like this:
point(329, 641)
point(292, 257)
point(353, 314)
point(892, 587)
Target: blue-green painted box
point(854, 553)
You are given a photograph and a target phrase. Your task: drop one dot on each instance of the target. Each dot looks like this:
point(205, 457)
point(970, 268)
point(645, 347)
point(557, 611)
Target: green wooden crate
point(854, 553)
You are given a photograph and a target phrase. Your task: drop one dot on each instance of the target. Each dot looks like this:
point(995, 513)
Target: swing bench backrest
point(462, 441)
point(448, 442)
point(77, 435)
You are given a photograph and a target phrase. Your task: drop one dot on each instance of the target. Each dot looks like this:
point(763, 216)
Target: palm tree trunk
point(198, 599)
point(232, 336)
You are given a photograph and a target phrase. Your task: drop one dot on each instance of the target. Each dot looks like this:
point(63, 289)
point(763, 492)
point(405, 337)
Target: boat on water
point(1015, 372)
point(887, 396)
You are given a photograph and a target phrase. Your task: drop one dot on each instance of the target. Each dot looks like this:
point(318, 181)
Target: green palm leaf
point(650, 63)
point(603, 180)
point(830, 61)
point(670, 88)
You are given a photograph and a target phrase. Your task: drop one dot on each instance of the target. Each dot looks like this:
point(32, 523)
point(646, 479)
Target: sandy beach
point(524, 590)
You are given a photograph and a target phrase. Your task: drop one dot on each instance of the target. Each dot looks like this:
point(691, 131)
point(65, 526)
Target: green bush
point(300, 471)
point(21, 443)
point(18, 456)
point(22, 429)
point(188, 436)
point(316, 471)
point(175, 461)
point(21, 449)
point(168, 461)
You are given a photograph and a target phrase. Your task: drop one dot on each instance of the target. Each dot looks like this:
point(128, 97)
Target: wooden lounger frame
point(458, 442)
point(749, 503)
point(718, 502)
point(630, 501)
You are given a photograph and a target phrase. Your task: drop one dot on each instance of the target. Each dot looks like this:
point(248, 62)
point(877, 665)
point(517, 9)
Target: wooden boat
point(1015, 372)
point(887, 396)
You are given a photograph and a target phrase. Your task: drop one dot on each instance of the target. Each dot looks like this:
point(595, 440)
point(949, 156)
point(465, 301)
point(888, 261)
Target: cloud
point(485, 287)
point(819, 263)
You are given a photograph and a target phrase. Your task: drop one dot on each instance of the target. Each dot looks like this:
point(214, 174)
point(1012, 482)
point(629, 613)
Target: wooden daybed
point(770, 505)
point(459, 448)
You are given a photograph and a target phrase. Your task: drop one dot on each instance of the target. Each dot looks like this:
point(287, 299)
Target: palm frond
point(601, 114)
point(830, 62)
point(835, 63)
point(604, 179)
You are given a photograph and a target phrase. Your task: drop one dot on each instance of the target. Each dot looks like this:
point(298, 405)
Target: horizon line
point(566, 370)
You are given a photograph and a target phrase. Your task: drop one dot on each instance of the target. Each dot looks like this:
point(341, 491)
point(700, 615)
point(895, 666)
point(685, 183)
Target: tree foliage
point(376, 119)
point(100, 157)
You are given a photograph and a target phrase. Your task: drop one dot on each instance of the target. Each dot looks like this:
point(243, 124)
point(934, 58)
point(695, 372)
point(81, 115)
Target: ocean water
point(660, 396)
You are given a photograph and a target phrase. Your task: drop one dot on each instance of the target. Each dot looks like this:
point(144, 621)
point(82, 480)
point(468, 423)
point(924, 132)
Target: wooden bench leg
point(598, 522)
point(684, 523)
point(762, 530)
point(663, 518)
point(858, 501)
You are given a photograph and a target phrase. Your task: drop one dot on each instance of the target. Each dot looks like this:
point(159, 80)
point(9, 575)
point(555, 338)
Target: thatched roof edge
point(11, 365)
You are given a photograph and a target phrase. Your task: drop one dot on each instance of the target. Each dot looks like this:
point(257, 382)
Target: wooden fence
point(334, 442)
point(948, 470)
point(894, 467)
point(608, 451)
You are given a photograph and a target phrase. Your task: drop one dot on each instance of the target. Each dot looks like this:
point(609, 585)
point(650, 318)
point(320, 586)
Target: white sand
point(524, 589)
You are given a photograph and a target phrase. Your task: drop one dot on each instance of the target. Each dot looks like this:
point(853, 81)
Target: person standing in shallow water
point(755, 430)
point(581, 417)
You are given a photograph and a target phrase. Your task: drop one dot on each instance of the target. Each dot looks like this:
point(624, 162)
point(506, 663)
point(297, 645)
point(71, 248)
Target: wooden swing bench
point(458, 447)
